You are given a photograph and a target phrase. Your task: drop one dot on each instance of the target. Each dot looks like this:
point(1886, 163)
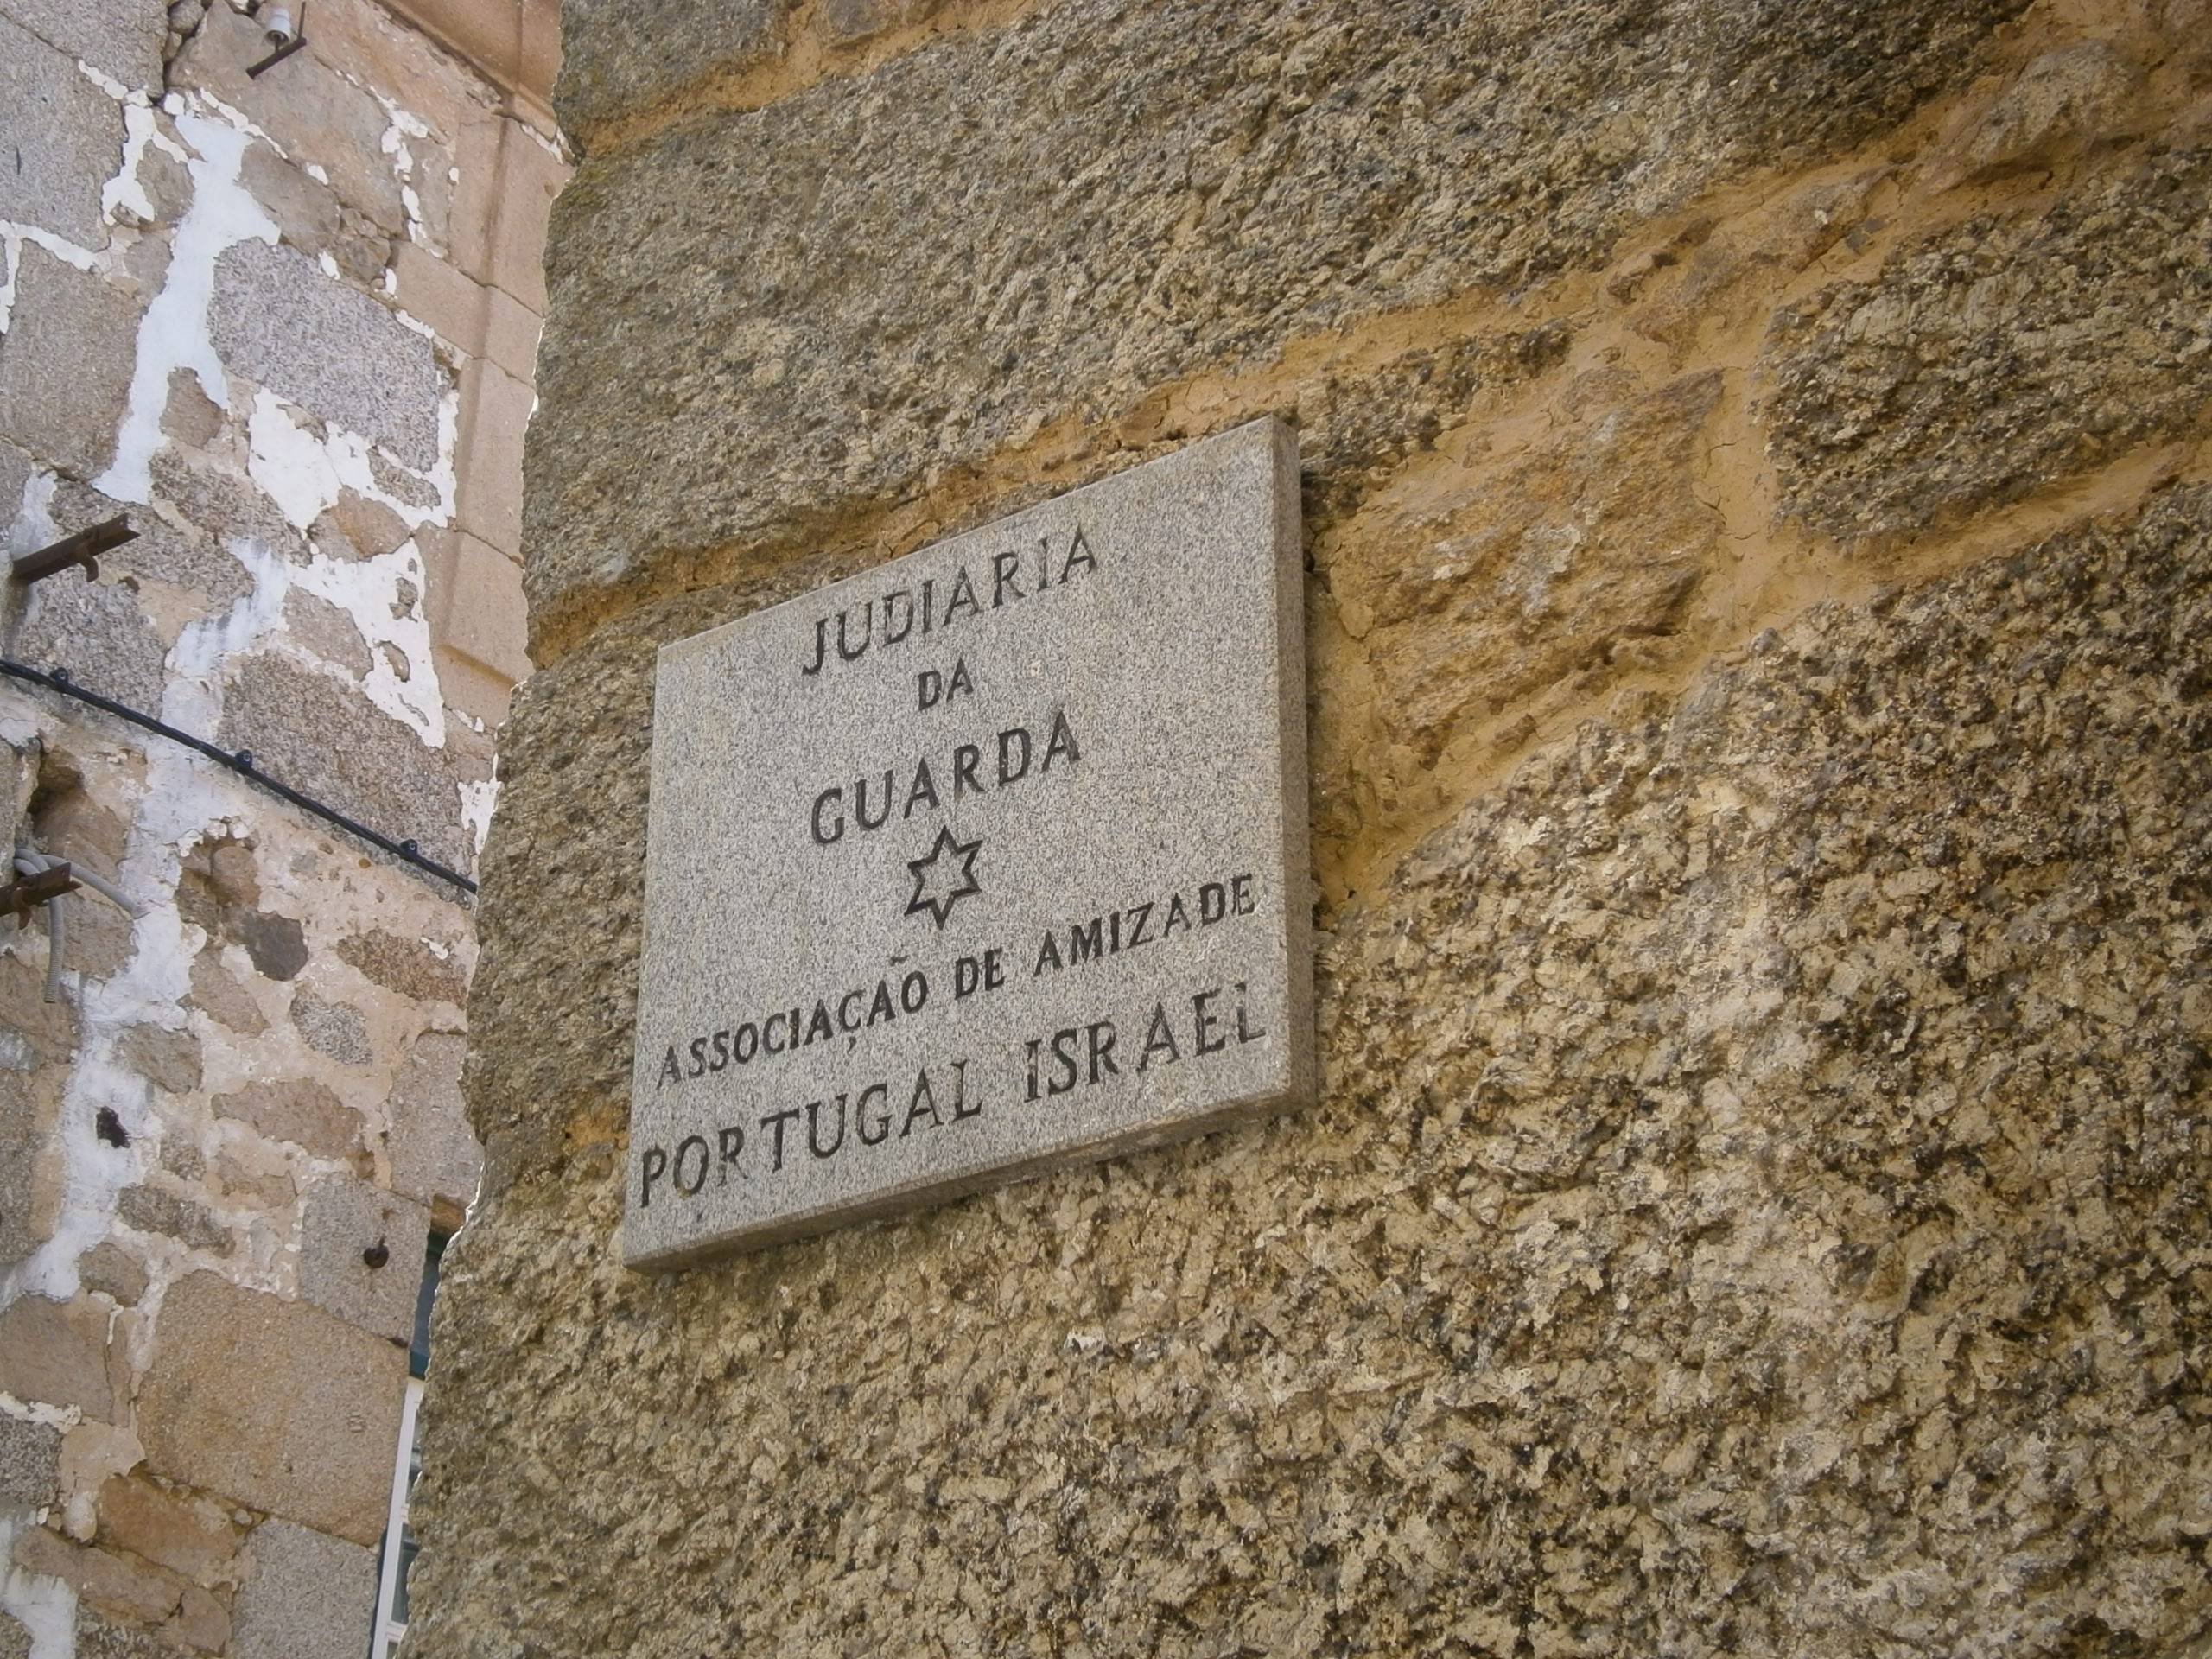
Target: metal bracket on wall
point(292, 40)
point(21, 897)
point(78, 549)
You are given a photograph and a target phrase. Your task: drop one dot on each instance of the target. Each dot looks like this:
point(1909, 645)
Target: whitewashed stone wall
point(286, 324)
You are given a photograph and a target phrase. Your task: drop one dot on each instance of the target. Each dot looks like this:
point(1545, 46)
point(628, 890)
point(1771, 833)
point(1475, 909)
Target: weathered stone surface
point(186, 1534)
point(222, 996)
point(309, 1596)
point(433, 1154)
point(379, 771)
point(113, 1271)
point(2019, 348)
point(198, 563)
point(23, 1127)
point(98, 1638)
point(123, 40)
point(300, 1110)
point(15, 1637)
point(322, 117)
point(30, 1462)
point(168, 1059)
point(407, 966)
point(343, 1219)
point(337, 1029)
point(855, 20)
point(275, 1403)
point(1526, 575)
point(65, 134)
point(1760, 1170)
point(55, 1354)
point(331, 349)
point(152, 1210)
point(132, 1589)
point(1070, 239)
point(618, 56)
point(95, 630)
point(327, 630)
point(66, 363)
point(305, 211)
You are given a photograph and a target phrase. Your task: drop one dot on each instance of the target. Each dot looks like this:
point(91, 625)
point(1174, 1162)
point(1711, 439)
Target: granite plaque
point(988, 860)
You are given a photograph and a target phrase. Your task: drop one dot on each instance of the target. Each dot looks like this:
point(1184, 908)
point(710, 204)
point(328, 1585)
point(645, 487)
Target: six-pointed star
point(955, 885)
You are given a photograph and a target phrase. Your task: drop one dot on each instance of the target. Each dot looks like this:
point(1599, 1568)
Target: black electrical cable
point(241, 762)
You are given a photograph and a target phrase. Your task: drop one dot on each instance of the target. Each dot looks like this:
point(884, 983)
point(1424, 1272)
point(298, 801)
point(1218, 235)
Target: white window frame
point(389, 1631)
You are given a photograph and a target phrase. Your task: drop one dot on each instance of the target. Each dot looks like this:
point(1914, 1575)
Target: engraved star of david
point(957, 884)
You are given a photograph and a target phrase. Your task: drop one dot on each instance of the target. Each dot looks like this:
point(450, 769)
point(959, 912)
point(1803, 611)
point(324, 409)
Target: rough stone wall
point(287, 325)
point(1758, 492)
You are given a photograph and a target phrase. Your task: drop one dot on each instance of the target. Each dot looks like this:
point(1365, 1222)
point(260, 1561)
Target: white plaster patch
point(174, 332)
point(124, 192)
point(292, 466)
point(367, 590)
point(477, 802)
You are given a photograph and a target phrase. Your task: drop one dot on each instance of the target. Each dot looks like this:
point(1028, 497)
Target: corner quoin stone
point(989, 861)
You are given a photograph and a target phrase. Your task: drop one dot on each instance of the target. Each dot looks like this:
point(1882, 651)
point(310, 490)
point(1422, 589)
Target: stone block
point(31, 1463)
point(15, 1637)
point(66, 364)
point(114, 1583)
point(66, 137)
point(337, 1029)
point(309, 1596)
point(277, 1404)
point(306, 728)
point(844, 20)
point(123, 41)
point(195, 563)
point(337, 354)
point(187, 1535)
point(155, 1209)
point(477, 608)
point(359, 527)
point(618, 57)
point(1478, 591)
point(56, 1354)
point(111, 1270)
point(495, 409)
point(326, 632)
point(510, 331)
point(99, 1637)
point(434, 1155)
point(305, 210)
point(343, 1222)
point(25, 1118)
point(1887, 410)
point(297, 1110)
point(1245, 178)
point(407, 966)
point(472, 689)
point(223, 997)
point(168, 1059)
point(433, 292)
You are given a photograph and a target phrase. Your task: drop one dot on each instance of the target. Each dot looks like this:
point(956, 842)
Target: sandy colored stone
point(170, 1527)
point(223, 997)
point(113, 1583)
point(168, 1059)
point(273, 1403)
point(299, 1110)
point(1988, 360)
point(1472, 592)
point(55, 1353)
point(1242, 177)
point(620, 55)
point(113, 1271)
point(407, 966)
point(434, 1155)
point(328, 632)
point(2079, 93)
point(1770, 1118)
point(358, 528)
point(306, 211)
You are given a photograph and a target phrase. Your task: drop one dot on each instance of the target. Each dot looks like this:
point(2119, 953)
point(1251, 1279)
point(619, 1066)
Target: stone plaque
point(988, 860)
